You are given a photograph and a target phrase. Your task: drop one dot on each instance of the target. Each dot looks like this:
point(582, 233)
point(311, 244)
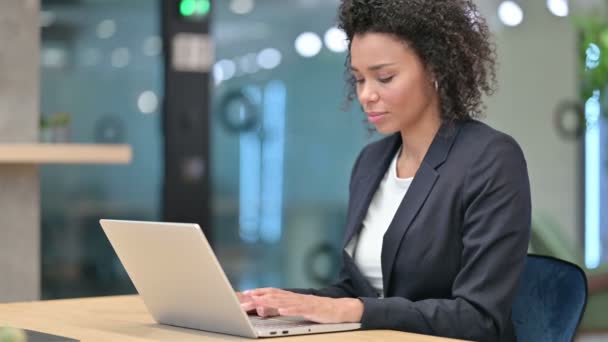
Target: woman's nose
point(367, 94)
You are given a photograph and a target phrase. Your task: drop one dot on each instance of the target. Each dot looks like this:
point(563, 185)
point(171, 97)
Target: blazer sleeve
point(344, 286)
point(341, 289)
point(495, 236)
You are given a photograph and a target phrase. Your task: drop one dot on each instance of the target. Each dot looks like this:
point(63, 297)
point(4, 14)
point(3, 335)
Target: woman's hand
point(314, 308)
point(248, 305)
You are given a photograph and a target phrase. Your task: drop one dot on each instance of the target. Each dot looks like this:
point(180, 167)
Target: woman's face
point(393, 85)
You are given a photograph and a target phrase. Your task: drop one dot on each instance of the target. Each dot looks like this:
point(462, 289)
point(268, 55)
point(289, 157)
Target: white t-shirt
point(367, 246)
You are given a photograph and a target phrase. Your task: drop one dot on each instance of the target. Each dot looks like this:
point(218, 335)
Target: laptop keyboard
point(278, 323)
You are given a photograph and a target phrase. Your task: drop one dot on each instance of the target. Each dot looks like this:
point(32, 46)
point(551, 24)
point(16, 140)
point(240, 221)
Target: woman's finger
point(242, 297)
point(267, 291)
point(266, 311)
point(248, 307)
point(276, 301)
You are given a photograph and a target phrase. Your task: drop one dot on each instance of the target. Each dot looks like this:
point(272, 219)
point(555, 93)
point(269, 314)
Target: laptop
point(182, 283)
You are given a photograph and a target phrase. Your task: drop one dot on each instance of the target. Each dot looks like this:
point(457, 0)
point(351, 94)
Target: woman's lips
point(375, 117)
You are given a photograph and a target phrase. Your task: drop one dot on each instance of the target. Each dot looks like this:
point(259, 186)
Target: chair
point(550, 300)
point(548, 238)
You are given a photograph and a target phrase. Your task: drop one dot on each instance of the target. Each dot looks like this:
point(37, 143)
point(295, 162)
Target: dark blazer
point(453, 254)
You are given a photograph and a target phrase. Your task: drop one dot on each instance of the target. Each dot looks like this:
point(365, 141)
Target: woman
point(439, 211)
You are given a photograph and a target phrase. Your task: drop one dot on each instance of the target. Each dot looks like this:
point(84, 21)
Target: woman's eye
point(386, 79)
point(359, 80)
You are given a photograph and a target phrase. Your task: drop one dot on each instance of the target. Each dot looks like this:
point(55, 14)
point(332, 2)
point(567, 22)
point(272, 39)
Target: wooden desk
point(125, 318)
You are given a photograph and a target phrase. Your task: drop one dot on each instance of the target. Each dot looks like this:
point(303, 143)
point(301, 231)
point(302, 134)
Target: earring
point(436, 85)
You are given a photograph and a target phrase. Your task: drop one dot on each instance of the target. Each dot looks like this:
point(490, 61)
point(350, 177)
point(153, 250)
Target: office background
point(280, 147)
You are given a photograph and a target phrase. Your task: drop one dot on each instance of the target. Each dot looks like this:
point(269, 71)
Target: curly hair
point(449, 36)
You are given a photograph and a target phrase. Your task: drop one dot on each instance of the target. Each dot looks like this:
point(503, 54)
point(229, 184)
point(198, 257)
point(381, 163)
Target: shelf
point(64, 154)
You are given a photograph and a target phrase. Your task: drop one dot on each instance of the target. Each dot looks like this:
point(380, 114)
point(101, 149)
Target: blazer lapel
point(420, 188)
point(367, 186)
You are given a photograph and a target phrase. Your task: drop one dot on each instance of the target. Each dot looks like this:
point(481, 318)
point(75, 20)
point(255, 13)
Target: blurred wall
point(538, 70)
